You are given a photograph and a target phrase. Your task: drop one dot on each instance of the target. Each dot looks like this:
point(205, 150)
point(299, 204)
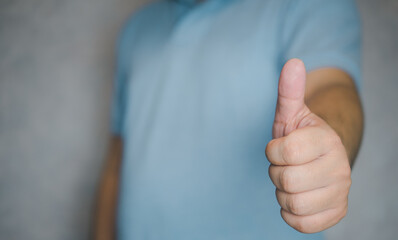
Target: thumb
point(290, 103)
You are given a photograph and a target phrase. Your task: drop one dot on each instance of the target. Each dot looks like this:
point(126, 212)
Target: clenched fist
point(309, 164)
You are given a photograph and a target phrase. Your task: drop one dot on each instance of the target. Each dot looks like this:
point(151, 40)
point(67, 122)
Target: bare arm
point(105, 227)
point(331, 94)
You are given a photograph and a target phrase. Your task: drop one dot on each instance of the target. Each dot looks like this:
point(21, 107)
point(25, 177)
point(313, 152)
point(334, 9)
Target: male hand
point(309, 164)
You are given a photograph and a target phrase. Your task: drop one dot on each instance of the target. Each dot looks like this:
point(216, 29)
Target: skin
point(317, 132)
point(105, 218)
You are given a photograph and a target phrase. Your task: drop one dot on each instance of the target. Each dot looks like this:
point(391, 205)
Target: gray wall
point(373, 212)
point(56, 67)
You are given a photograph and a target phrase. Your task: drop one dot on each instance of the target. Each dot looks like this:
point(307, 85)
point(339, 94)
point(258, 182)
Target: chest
point(234, 45)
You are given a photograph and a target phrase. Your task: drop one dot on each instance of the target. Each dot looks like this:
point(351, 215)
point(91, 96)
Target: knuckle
point(344, 212)
point(296, 205)
point(334, 139)
point(301, 226)
point(349, 183)
point(271, 151)
point(268, 149)
point(345, 174)
point(287, 181)
point(291, 151)
point(271, 173)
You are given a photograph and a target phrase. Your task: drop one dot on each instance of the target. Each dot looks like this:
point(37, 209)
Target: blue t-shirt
point(195, 97)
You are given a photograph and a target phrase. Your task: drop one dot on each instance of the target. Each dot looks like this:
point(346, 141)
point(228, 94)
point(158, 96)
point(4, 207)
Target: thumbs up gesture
point(309, 164)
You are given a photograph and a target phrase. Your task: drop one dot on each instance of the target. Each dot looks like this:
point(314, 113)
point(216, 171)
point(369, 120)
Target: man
point(196, 90)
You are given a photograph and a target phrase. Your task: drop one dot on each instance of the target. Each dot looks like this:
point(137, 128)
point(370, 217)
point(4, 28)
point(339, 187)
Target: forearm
point(339, 105)
point(105, 227)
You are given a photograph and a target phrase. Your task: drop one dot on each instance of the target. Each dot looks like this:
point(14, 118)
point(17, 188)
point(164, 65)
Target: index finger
point(301, 146)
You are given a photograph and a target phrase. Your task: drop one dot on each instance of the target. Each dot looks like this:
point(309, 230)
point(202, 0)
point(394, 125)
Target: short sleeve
point(120, 86)
point(118, 101)
point(118, 104)
point(131, 32)
point(323, 33)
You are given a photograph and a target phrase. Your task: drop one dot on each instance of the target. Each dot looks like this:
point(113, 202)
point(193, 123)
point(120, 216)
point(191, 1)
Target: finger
point(314, 223)
point(315, 201)
point(305, 177)
point(302, 145)
point(291, 89)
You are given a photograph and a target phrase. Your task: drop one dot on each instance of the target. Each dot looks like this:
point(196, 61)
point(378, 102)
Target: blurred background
point(56, 72)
